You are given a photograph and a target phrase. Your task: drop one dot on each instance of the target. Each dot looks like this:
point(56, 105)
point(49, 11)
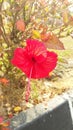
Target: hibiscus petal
point(43, 69)
point(22, 61)
point(51, 61)
point(18, 56)
point(36, 49)
point(1, 119)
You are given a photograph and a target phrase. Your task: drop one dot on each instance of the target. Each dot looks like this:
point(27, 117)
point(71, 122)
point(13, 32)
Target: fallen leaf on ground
point(17, 109)
point(4, 80)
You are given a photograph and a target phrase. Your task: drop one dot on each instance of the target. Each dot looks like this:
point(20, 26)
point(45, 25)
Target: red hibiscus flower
point(34, 60)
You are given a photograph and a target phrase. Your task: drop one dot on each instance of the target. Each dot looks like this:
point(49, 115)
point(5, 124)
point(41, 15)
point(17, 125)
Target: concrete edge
point(28, 116)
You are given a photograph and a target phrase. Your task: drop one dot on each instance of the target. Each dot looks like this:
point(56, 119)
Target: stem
point(28, 88)
point(3, 32)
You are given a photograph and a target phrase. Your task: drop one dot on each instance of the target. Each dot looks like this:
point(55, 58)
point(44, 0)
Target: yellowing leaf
point(33, 9)
point(65, 17)
point(26, 7)
point(35, 34)
point(52, 41)
point(17, 109)
point(46, 9)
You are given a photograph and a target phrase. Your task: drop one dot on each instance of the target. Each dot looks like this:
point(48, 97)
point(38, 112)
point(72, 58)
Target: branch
point(3, 33)
point(2, 29)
